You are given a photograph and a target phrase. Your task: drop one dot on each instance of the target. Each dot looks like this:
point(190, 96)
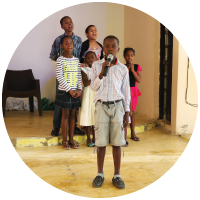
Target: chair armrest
point(37, 83)
point(5, 85)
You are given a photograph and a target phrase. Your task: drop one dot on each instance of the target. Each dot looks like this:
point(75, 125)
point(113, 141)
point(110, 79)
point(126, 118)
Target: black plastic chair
point(21, 84)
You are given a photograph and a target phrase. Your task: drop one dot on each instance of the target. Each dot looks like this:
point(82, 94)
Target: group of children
point(106, 103)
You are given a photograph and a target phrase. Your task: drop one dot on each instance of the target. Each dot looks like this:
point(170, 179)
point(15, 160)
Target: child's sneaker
point(126, 145)
point(118, 183)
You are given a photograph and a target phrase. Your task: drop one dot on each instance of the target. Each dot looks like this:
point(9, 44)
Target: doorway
point(166, 52)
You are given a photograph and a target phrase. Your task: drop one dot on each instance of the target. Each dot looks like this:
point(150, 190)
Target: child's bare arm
point(125, 121)
point(86, 82)
point(138, 79)
point(137, 76)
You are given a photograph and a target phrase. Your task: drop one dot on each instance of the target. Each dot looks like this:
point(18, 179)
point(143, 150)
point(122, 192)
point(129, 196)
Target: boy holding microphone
point(111, 108)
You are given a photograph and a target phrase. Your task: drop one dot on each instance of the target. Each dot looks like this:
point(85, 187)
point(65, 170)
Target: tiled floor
point(72, 171)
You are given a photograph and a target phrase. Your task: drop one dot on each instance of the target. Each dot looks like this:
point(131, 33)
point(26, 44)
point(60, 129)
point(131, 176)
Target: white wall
point(115, 26)
point(33, 52)
point(186, 114)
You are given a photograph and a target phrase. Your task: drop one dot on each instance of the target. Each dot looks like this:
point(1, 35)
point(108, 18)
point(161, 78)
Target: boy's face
point(90, 58)
point(110, 46)
point(67, 24)
point(67, 44)
point(129, 56)
point(92, 33)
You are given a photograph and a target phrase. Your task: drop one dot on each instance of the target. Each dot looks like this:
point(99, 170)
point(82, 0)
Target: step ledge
point(21, 142)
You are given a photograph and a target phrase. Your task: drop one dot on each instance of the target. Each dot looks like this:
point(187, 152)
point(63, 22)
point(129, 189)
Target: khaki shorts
point(109, 124)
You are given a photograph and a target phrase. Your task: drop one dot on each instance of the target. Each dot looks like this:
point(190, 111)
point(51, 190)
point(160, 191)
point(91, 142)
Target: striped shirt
point(114, 86)
point(68, 73)
point(57, 50)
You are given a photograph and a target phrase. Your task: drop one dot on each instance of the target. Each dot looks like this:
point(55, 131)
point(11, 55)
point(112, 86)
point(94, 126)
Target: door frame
point(165, 64)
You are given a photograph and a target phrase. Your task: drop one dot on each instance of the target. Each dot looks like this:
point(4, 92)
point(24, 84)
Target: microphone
point(109, 58)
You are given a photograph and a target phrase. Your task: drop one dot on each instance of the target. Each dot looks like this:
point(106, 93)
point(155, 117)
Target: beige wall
point(142, 32)
point(183, 115)
point(115, 25)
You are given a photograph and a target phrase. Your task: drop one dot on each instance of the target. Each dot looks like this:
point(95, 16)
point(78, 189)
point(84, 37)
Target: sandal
point(92, 144)
point(66, 146)
point(135, 138)
point(73, 145)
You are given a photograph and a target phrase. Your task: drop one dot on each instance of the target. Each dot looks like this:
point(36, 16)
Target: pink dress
point(135, 92)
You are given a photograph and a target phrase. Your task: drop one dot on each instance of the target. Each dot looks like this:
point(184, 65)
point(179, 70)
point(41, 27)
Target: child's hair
point(61, 21)
point(87, 29)
point(129, 49)
point(111, 37)
point(90, 52)
point(62, 39)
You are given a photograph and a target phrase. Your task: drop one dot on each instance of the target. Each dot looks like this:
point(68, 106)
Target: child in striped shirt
point(68, 74)
point(68, 26)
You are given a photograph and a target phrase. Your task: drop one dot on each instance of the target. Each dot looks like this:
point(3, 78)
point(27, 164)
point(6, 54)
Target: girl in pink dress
point(134, 78)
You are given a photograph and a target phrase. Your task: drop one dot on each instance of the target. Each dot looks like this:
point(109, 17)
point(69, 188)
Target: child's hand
point(131, 113)
point(131, 66)
point(77, 94)
point(106, 63)
point(72, 93)
point(125, 122)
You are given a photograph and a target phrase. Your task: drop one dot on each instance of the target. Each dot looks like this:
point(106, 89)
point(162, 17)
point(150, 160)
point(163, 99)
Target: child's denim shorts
point(65, 101)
